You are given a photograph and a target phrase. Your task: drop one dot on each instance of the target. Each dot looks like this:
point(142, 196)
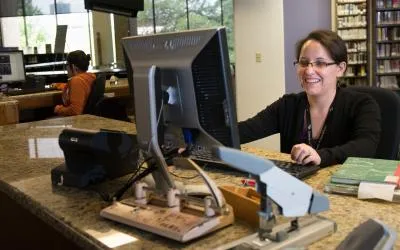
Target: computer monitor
point(59, 43)
point(12, 68)
point(182, 91)
point(128, 8)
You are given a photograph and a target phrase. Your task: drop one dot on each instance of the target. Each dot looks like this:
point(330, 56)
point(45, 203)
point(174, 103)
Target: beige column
point(103, 42)
point(121, 26)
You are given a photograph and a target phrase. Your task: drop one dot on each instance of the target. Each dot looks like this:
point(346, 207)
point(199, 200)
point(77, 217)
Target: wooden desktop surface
point(52, 98)
point(30, 150)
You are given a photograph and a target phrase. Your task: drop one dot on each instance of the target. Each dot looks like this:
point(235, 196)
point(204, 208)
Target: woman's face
point(316, 70)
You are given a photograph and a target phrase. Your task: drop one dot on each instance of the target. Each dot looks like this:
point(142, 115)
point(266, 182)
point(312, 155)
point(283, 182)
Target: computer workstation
point(35, 92)
point(12, 69)
point(66, 204)
point(13, 76)
point(183, 94)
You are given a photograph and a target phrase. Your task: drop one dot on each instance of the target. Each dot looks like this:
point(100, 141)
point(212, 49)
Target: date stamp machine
point(281, 194)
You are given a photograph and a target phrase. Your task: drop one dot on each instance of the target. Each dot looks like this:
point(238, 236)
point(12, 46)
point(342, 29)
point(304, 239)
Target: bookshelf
point(352, 26)
point(386, 44)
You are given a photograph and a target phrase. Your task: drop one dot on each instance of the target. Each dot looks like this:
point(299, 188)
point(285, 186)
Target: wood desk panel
point(38, 100)
point(26, 161)
point(8, 111)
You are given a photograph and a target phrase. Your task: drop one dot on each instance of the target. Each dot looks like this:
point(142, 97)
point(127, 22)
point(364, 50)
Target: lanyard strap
point(309, 127)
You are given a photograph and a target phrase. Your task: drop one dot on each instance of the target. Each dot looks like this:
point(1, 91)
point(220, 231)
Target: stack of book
point(367, 178)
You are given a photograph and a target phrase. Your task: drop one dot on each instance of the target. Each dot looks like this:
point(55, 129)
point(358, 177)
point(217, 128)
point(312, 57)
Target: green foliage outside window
point(171, 15)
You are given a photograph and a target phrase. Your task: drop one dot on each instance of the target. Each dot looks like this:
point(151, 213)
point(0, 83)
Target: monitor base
point(178, 224)
point(314, 229)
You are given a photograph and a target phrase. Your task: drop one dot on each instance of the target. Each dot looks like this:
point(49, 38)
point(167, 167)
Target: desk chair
point(389, 104)
point(113, 108)
point(96, 95)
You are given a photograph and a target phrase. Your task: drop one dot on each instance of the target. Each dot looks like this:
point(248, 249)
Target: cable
point(158, 123)
point(135, 177)
point(184, 177)
point(117, 196)
point(109, 197)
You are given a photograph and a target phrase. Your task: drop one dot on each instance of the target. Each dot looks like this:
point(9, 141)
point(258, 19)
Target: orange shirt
point(75, 94)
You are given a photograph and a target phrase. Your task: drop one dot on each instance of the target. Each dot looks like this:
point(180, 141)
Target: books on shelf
point(367, 178)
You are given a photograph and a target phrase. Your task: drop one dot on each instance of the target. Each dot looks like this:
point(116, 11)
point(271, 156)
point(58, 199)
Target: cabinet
point(352, 26)
point(386, 43)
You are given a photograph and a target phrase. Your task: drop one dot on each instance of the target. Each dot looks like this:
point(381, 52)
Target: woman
point(77, 90)
point(324, 124)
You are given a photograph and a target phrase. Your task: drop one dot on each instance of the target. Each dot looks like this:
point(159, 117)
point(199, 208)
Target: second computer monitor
point(12, 67)
point(194, 91)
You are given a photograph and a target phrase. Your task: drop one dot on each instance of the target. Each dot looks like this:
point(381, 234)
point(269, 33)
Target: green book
point(346, 189)
point(341, 188)
point(355, 170)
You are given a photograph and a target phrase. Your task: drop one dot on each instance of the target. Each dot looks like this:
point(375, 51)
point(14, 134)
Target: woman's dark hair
point(331, 41)
point(79, 59)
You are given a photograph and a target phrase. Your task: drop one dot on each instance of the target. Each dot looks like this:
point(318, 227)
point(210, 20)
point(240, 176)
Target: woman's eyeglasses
point(315, 65)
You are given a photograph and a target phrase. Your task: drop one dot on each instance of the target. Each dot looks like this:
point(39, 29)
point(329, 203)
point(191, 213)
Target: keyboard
point(28, 91)
point(299, 171)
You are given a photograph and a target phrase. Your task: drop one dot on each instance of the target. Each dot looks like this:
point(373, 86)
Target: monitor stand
point(165, 210)
point(177, 215)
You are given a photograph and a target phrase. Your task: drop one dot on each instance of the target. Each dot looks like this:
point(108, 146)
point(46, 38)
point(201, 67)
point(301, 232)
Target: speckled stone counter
point(28, 152)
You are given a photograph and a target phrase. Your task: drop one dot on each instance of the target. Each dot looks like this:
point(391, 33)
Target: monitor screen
point(182, 79)
point(12, 66)
point(59, 43)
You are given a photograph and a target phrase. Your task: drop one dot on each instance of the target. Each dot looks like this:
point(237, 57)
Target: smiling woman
point(324, 124)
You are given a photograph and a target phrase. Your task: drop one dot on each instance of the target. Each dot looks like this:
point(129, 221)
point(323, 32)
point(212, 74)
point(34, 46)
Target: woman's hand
point(305, 154)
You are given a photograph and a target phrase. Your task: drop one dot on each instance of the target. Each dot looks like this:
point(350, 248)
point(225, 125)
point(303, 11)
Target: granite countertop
point(30, 150)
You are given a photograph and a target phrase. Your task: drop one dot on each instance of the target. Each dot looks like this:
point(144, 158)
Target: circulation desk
point(35, 213)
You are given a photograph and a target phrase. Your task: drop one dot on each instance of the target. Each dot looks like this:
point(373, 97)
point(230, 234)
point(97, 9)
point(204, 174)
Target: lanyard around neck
point(309, 127)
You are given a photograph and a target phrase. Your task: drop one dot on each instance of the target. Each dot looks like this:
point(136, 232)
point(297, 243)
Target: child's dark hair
point(79, 59)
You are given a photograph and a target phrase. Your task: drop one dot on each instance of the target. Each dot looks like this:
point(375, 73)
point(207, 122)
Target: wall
point(258, 26)
point(271, 29)
point(298, 22)
point(102, 25)
point(121, 26)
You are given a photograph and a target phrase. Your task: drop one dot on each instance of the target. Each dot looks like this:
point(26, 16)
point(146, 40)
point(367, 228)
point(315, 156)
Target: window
point(227, 16)
point(204, 14)
point(170, 15)
point(78, 36)
point(41, 7)
point(40, 30)
point(35, 24)
point(70, 6)
point(38, 22)
point(13, 32)
point(174, 15)
point(145, 19)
